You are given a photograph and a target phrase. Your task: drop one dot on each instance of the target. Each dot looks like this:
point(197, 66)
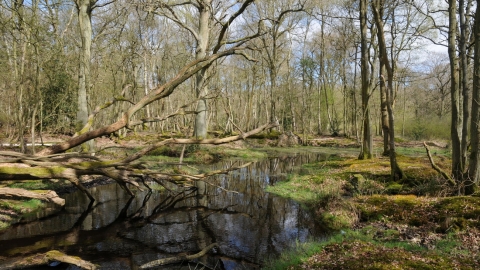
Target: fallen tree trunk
point(52, 256)
point(18, 193)
point(438, 169)
point(177, 259)
point(17, 166)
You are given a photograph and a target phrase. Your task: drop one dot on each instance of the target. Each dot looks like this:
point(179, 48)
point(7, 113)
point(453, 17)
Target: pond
point(249, 225)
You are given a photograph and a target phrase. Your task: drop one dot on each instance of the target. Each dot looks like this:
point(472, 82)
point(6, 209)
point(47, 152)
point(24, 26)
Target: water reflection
point(120, 232)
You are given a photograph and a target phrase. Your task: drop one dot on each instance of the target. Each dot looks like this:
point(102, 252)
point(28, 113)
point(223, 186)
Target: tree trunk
point(474, 162)
point(377, 6)
point(84, 8)
point(384, 111)
point(201, 126)
point(456, 125)
point(462, 44)
point(367, 140)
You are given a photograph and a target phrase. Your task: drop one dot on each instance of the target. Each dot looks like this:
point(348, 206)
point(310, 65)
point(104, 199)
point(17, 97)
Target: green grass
point(420, 151)
point(38, 184)
point(21, 206)
point(360, 250)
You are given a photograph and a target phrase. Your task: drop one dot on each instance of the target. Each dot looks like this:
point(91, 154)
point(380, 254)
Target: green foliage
point(59, 98)
point(427, 129)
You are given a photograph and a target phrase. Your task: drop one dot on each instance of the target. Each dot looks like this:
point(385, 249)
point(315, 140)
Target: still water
point(249, 225)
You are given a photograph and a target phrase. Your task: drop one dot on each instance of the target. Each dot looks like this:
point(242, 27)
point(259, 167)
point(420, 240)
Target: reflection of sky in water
point(249, 226)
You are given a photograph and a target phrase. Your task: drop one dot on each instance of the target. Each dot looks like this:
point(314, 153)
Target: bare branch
point(97, 110)
point(174, 17)
point(226, 25)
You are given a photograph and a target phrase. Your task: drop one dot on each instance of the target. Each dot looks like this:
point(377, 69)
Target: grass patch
point(360, 250)
point(21, 207)
point(202, 154)
point(51, 184)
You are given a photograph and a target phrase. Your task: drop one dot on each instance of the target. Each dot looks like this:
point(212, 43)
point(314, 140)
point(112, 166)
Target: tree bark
point(377, 6)
point(367, 140)
point(474, 161)
point(201, 125)
point(456, 125)
point(84, 8)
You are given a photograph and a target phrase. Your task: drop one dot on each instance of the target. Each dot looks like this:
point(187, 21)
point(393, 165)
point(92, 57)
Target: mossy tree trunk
point(474, 162)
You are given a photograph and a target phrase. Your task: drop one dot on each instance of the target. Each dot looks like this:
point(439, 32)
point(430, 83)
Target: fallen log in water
point(53, 256)
point(178, 258)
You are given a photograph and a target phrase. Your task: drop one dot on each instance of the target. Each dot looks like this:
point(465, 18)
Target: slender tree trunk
point(367, 140)
point(456, 125)
point(384, 111)
point(377, 6)
point(464, 80)
point(474, 162)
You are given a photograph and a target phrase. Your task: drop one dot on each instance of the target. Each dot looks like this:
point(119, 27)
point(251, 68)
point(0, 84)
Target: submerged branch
point(178, 258)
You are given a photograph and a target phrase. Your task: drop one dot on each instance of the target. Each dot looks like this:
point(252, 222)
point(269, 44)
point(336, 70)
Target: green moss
point(394, 188)
point(458, 213)
point(408, 209)
point(360, 250)
point(37, 184)
point(4, 225)
point(21, 206)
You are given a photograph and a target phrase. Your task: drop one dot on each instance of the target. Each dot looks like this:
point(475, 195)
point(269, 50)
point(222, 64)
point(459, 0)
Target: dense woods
point(91, 68)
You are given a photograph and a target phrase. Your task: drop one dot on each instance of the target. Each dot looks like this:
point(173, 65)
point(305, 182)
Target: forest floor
point(377, 223)
point(374, 223)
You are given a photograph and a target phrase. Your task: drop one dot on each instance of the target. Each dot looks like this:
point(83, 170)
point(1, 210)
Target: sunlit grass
point(361, 249)
point(21, 206)
point(50, 184)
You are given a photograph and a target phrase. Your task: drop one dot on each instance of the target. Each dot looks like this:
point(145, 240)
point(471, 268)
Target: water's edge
point(119, 232)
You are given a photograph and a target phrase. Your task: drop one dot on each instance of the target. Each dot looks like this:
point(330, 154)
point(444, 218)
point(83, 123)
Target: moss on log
point(45, 259)
point(18, 193)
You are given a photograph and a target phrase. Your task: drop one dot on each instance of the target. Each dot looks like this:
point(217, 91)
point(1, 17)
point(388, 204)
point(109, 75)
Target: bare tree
point(48, 164)
point(367, 138)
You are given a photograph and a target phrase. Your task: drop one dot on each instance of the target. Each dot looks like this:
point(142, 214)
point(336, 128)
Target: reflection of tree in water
point(248, 224)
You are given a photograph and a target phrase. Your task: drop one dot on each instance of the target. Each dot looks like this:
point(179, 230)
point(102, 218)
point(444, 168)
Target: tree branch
point(226, 25)
point(178, 258)
point(438, 169)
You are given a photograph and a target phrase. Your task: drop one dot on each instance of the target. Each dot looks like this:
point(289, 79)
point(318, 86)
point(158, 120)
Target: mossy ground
point(408, 224)
point(381, 224)
point(13, 211)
